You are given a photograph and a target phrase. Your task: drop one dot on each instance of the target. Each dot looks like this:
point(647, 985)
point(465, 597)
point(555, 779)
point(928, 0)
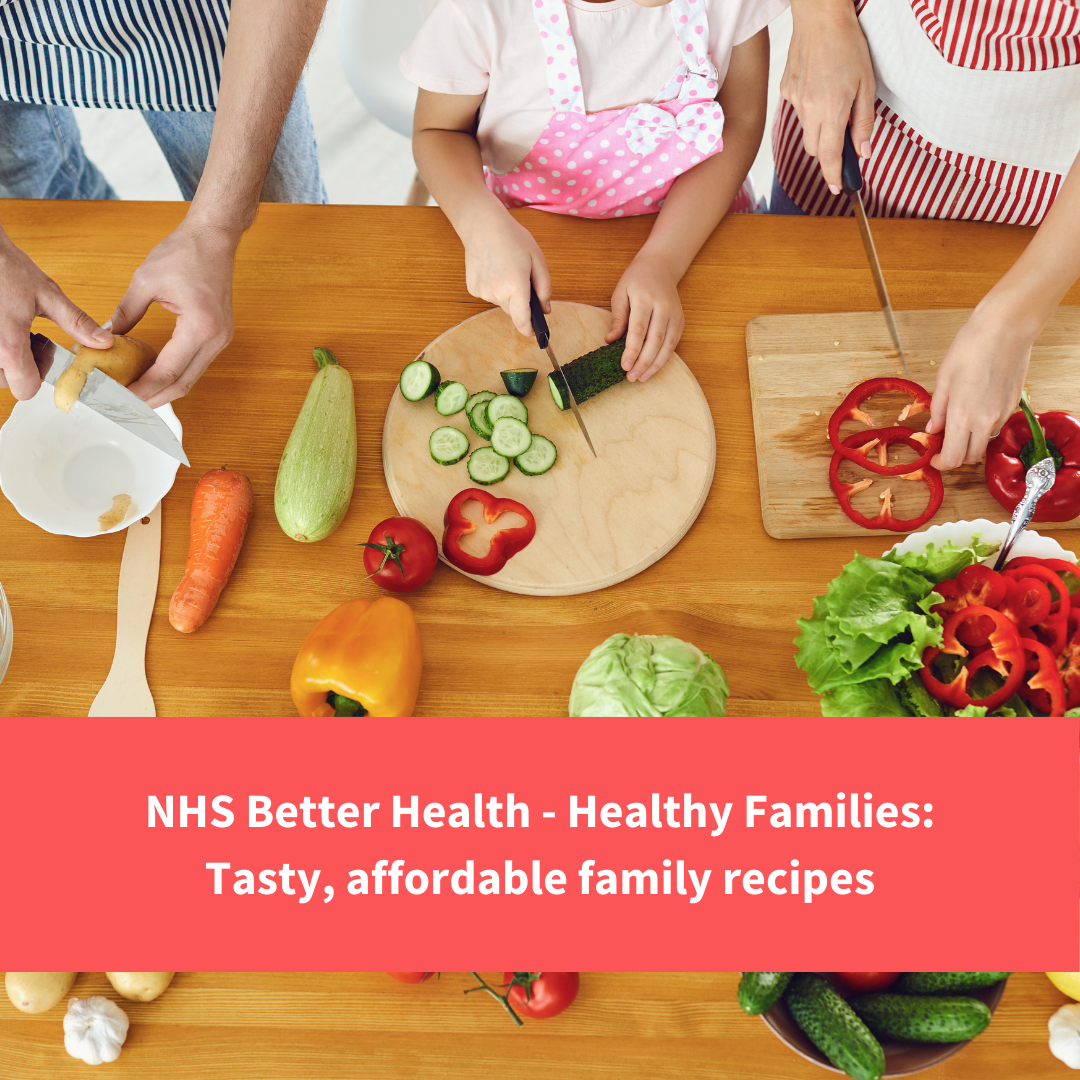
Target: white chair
point(372, 34)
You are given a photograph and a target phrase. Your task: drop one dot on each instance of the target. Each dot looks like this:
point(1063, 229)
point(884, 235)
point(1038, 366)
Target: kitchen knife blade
point(108, 398)
point(543, 339)
point(852, 182)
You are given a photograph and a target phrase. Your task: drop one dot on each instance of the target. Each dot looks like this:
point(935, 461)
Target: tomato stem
point(503, 999)
point(390, 550)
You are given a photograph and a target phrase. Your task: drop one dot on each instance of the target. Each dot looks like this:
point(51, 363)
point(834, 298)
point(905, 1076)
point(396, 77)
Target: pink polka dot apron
point(620, 162)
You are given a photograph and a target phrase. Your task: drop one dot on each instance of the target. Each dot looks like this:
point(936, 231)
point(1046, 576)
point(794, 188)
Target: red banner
point(492, 844)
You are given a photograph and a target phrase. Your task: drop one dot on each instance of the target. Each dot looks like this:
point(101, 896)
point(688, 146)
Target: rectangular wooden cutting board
point(803, 366)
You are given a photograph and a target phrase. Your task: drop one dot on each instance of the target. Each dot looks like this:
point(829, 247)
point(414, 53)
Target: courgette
point(759, 991)
point(588, 375)
point(832, 1026)
point(318, 468)
point(922, 1019)
point(418, 379)
point(946, 982)
point(519, 381)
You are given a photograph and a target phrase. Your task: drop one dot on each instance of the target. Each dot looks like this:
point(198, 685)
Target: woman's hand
point(646, 308)
point(829, 79)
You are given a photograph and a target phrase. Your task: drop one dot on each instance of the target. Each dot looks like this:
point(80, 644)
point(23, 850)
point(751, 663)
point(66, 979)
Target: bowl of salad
point(931, 629)
point(871, 1024)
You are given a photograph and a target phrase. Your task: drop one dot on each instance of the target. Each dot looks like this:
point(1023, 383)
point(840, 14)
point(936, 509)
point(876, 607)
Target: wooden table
point(376, 284)
point(364, 1025)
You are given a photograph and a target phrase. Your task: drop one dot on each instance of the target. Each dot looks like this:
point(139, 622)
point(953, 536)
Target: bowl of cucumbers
point(912, 1020)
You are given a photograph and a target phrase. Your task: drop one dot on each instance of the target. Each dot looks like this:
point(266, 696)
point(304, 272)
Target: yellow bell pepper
point(366, 652)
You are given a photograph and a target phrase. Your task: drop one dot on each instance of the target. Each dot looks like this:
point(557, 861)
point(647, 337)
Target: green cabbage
point(648, 675)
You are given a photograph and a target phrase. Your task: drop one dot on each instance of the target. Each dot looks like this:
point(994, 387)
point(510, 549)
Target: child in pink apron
point(598, 109)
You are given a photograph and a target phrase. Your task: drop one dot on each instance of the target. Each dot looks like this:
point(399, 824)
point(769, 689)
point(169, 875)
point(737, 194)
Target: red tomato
point(400, 554)
point(549, 992)
point(411, 976)
point(866, 980)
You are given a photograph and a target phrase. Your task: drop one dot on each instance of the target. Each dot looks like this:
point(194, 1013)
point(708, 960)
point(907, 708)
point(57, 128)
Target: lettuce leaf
point(875, 698)
point(945, 562)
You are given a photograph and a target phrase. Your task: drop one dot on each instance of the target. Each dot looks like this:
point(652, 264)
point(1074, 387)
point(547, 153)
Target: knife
point(108, 398)
point(852, 182)
point(543, 339)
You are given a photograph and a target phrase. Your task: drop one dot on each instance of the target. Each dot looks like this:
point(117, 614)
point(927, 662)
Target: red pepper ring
point(849, 409)
point(857, 446)
point(1044, 688)
point(1043, 573)
point(503, 545)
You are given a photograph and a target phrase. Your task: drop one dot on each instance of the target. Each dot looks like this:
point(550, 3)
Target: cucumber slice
point(505, 405)
point(510, 437)
point(538, 458)
point(486, 466)
point(450, 398)
point(519, 381)
point(483, 395)
point(448, 445)
point(418, 379)
point(478, 420)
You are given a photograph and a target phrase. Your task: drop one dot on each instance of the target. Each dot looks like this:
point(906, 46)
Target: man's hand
point(190, 274)
point(646, 308)
point(829, 79)
point(25, 293)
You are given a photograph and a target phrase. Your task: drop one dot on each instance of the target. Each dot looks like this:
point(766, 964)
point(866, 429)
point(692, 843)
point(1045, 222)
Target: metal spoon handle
point(1039, 480)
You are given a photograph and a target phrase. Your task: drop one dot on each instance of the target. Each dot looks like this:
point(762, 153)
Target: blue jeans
point(41, 154)
point(780, 202)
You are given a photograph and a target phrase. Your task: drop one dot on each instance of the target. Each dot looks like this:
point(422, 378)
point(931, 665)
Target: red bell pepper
point(1026, 602)
point(1012, 452)
point(1044, 573)
point(857, 446)
point(503, 545)
point(1044, 688)
point(849, 408)
point(1069, 670)
point(1053, 632)
point(975, 584)
point(1061, 567)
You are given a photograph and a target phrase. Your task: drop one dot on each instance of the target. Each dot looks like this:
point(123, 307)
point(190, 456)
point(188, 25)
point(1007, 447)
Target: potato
point(124, 361)
point(140, 985)
point(37, 991)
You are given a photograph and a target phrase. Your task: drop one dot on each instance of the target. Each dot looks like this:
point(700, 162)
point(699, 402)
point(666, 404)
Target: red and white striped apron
point(978, 112)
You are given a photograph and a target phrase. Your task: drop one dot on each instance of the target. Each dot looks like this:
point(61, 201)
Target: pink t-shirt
point(626, 54)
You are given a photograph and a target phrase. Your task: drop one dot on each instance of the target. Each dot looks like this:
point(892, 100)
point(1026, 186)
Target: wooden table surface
point(365, 1026)
point(376, 284)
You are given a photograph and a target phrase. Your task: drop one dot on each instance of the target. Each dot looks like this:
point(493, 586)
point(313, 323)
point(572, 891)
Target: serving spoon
point(1038, 480)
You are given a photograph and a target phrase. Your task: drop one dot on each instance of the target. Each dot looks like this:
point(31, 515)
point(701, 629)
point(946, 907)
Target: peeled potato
point(37, 991)
point(140, 985)
point(124, 361)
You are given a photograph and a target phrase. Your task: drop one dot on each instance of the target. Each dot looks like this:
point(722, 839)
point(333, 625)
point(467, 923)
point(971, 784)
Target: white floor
point(362, 161)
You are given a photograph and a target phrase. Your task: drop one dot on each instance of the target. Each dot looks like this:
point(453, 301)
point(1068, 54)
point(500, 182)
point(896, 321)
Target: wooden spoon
point(126, 692)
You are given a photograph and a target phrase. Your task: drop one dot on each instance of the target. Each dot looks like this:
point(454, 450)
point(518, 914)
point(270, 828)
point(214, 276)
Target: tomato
point(400, 554)
point(541, 994)
point(411, 976)
point(866, 980)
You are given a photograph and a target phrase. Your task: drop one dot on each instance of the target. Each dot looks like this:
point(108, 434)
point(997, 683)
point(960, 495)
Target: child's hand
point(646, 308)
point(501, 259)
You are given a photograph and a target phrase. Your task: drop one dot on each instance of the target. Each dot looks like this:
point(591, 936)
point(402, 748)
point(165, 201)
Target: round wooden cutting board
point(598, 520)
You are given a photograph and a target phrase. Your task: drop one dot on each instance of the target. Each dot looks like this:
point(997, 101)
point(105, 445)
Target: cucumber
point(318, 468)
point(588, 375)
point(483, 395)
point(519, 381)
point(759, 991)
point(505, 405)
point(478, 420)
point(450, 398)
point(538, 458)
point(486, 466)
point(922, 1019)
point(418, 379)
point(510, 437)
point(832, 1026)
point(448, 445)
point(946, 982)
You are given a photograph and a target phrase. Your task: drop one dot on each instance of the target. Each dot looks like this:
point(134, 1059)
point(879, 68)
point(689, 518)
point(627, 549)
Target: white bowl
point(61, 470)
point(6, 634)
point(961, 532)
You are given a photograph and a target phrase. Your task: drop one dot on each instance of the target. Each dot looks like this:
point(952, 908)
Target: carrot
point(220, 512)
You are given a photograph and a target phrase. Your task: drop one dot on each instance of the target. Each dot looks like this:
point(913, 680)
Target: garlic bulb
point(1065, 1035)
point(94, 1029)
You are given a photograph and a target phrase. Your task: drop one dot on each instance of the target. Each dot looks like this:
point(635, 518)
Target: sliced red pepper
point(1061, 567)
point(503, 545)
point(1069, 670)
point(1053, 632)
point(849, 408)
point(1026, 602)
point(1044, 687)
point(975, 584)
point(857, 448)
point(886, 519)
point(1044, 573)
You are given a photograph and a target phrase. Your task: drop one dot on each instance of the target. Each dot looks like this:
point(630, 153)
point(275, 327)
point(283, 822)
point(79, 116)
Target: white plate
point(61, 470)
point(961, 532)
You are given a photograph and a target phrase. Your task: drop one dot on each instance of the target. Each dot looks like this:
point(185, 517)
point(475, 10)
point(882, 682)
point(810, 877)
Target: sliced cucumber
point(486, 466)
point(538, 458)
point(510, 437)
point(505, 405)
point(483, 395)
point(450, 398)
point(478, 420)
point(519, 381)
point(448, 445)
point(418, 379)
